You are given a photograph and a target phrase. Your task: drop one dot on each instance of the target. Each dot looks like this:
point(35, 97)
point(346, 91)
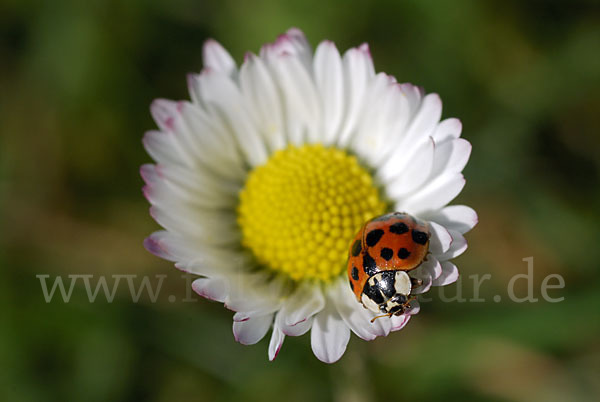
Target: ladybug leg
point(406, 305)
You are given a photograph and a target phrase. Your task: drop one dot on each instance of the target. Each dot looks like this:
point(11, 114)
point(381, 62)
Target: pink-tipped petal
point(149, 174)
point(217, 58)
point(165, 112)
point(305, 302)
point(277, 338)
point(251, 331)
point(414, 309)
point(449, 274)
point(458, 246)
point(153, 244)
point(211, 288)
point(399, 321)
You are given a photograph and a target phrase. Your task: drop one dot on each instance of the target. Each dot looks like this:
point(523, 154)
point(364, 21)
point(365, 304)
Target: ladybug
point(381, 254)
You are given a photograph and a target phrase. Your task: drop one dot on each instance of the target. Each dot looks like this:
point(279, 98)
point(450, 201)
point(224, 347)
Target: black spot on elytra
point(403, 253)
point(373, 293)
point(387, 253)
point(369, 265)
point(374, 236)
point(354, 273)
point(419, 237)
point(356, 248)
point(351, 285)
point(398, 228)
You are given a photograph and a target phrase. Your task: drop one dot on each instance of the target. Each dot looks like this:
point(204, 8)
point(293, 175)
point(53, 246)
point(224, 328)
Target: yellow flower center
point(299, 212)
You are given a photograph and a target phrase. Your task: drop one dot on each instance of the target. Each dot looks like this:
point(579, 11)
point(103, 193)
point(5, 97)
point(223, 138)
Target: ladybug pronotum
point(381, 254)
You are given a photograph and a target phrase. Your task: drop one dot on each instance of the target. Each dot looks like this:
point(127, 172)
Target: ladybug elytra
point(381, 254)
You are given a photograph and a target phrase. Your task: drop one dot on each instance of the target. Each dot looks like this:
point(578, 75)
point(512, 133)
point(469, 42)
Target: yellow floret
point(300, 210)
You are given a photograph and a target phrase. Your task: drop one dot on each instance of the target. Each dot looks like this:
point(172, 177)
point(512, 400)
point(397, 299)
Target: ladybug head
point(387, 292)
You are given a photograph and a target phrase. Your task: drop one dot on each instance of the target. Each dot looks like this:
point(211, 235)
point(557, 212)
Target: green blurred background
point(77, 78)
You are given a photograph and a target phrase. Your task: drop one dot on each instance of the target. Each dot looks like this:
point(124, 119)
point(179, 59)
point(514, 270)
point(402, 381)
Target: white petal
point(458, 246)
point(211, 261)
point(434, 195)
point(451, 156)
point(209, 141)
point(447, 129)
point(155, 244)
point(414, 95)
point(164, 148)
point(196, 184)
point(217, 58)
point(329, 77)
point(449, 274)
point(431, 267)
point(306, 301)
point(164, 193)
point(440, 239)
point(415, 307)
point(395, 165)
point(277, 338)
point(211, 288)
point(194, 89)
point(427, 281)
point(425, 120)
point(356, 317)
point(300, 43)
point(173, 247)
point(174, 186)
point(379, 130)
point(217, 228)
point(149, 174)
point(219, 91)
point(412, 171)
point(254, 294)
point(358, 72)
point(169, 118)
point(329, 336)
point(456, 217)
point(293, 42)
point(301, 103)
point(198, 140)
point(260, 92)
point(297, 329)
point(424, 114)
point(427, 272)
point(399, 321)
point(252, 330)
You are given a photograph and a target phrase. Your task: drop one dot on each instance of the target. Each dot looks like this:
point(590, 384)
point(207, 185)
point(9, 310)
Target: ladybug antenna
point(379, 316)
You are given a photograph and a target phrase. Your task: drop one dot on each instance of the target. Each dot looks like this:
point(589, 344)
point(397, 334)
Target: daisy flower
point(262, 180)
